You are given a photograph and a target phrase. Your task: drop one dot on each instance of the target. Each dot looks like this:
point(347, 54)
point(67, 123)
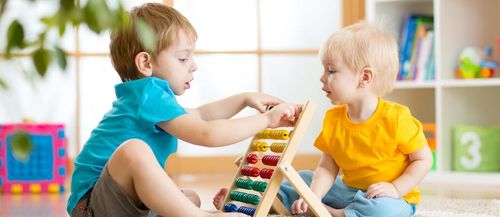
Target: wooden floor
point(206, 186)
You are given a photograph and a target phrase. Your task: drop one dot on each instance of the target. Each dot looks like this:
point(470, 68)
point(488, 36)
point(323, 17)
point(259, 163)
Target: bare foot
point(219, 198)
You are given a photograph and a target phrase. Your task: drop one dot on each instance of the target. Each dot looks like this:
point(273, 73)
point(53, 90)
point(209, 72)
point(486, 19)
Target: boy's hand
point(283, 115)
point(299, 206)
point(259, 101)
point(382, 189)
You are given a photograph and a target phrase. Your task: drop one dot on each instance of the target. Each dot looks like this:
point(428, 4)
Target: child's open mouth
point(187, 85)
point(326, 91)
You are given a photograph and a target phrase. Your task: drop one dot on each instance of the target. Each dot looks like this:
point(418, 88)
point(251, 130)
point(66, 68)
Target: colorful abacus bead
point(278, 147)
point(266, 173)
point(250, 171)
point(252, 158)
point(271, 160)
point(230, 207)
point(274, 134)
point(259, 186)
point(244, 183)
point(247, 210)
point(244, 197)
point(260, 146)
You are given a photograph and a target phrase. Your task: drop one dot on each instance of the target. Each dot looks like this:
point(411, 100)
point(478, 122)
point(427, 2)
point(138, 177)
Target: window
point(247, 45)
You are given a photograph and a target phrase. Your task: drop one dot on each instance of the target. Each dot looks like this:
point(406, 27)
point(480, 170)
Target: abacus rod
point(312, 200)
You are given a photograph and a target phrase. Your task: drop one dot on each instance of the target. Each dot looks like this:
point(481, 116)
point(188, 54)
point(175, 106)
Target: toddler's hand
point(259, 101)
point(283, 115)
point(382, 189)
point(299, 206)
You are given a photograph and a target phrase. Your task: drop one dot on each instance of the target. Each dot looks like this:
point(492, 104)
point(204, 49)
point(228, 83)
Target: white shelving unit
point(448, 101)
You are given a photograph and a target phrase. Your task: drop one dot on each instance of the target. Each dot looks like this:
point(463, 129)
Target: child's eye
point(183, 59)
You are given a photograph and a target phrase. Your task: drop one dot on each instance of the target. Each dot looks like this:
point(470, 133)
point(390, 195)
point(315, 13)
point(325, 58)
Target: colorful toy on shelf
point(43, 169)
point(475, 63)
point(254, 189)
point(430, 135)
point(488, 65)
point(476, 148)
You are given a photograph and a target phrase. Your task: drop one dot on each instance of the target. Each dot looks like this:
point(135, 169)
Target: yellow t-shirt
point(375, 150)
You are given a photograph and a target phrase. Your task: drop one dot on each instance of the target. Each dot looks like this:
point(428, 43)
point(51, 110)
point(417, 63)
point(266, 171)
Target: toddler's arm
point(323, 179)
point(222, 132)
point(420, 164)
point(228, 107)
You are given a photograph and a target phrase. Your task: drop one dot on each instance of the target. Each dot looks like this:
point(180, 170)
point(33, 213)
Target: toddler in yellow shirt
point(379, 146)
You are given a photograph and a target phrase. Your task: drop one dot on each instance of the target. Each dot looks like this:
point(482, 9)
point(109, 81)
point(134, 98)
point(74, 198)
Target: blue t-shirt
point(140, 105)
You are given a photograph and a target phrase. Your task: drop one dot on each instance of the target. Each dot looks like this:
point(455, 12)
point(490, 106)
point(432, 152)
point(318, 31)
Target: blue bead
point(230, 207)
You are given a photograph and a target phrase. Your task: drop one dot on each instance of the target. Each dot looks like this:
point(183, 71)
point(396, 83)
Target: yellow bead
point(53, 188)
point(35, 188)
point(16, 188)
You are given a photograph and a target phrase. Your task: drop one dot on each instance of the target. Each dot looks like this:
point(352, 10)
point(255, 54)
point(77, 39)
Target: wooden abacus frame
point(283, 170)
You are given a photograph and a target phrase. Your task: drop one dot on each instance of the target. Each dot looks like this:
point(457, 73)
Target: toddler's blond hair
point(365, 45)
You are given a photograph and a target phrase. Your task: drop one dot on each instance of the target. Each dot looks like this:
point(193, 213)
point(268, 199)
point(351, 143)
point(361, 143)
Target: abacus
point(265, 165)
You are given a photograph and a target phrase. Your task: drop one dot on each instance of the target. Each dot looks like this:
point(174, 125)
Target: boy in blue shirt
point(119, 171)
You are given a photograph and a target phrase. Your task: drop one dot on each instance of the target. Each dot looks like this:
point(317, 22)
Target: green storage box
point(434, 161)
point(476, 148)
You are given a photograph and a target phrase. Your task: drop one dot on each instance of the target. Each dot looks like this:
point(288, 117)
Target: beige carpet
point(447, 207)
point(444, 207)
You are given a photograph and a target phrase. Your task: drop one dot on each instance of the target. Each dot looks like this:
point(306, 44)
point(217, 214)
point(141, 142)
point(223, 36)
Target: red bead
point(271, 160)
point(250, 171)
point(252, 158)
point(266, 173)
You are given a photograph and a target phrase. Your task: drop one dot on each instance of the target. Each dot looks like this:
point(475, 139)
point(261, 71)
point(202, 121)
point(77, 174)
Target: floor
point(206, 186)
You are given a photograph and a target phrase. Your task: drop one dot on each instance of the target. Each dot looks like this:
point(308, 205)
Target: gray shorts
point(108, 199)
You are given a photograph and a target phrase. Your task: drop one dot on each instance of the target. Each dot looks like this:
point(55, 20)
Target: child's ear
point(144, 63)
point(366, 77)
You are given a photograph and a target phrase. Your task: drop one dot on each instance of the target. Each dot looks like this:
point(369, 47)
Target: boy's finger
point(261, 108)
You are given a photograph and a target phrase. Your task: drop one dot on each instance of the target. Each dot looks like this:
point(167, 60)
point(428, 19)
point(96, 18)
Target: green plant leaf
point(76, 16)
point(66, 5)
point(146, 35)
point(21, 145)
point(49, 21)
point(41, 58)
point(98, 16)
point(121, 16)
point(90, 16)
point(60, 56)
point(3, 5)
point(3, 85)
point(15, 36)
point(62, 28)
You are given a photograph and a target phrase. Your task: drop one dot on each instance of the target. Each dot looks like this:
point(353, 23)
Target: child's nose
point(322, 78)
point(194, 67)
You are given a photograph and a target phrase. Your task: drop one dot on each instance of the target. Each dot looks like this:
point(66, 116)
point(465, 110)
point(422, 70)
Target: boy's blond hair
point(365, 45)
point(166, 22)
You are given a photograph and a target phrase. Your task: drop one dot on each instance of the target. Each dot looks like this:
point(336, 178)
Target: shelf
point(414, 84)
point(480, 82)
point(391, 1)
point(448, 101)
point(463, 178)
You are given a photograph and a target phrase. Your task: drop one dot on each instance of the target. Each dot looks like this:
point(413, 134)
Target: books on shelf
point(417, 48)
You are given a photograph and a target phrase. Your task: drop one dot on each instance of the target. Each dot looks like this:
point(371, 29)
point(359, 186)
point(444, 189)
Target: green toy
point(476, 148)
